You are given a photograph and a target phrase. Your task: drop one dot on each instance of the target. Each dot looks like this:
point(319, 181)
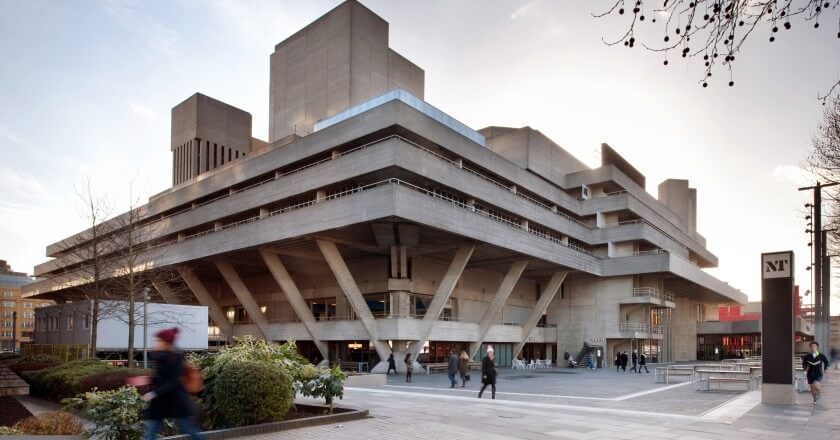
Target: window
point(53, 323)
point(28, 324)
point(701, 313)
point(86, 323)
point(70, 323)
point(7, 333)
point(8, 294)
point(42, 325)
point(27, 305)
point(8, 304)
point(8, 314)
point(28, 314)
point(8, 324)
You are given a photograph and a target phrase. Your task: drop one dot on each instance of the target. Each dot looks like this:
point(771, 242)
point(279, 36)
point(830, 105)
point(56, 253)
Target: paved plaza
point(566, 404)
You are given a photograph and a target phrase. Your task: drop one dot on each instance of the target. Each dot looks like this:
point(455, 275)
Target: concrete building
point(373, 223)
point(17, 315)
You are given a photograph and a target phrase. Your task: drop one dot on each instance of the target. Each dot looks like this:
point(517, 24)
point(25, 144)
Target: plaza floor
point(566, 404)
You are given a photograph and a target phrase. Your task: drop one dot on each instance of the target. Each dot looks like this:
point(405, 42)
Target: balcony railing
point(654, 293)
point(640, 327)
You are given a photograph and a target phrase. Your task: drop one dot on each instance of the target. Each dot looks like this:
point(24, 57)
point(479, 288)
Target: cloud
point(160, 40)
point(523, 10)
point(21, 184)
point(142, 110)
point(792, 174)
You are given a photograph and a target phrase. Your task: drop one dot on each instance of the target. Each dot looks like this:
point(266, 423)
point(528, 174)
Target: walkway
point(432, 411)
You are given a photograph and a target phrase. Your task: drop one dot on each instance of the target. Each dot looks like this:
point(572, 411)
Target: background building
point(17, 315)
point(373, 223)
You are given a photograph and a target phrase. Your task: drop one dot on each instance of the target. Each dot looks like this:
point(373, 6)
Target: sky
point(86, 90)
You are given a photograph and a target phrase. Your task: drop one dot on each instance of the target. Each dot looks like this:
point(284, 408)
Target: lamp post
point(145, 327)
point(822, 265)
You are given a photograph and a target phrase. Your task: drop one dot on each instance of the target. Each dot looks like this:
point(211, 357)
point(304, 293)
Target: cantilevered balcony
point(639, 330)
point(650, 296)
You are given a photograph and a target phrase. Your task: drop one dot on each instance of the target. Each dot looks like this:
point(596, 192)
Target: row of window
point(8, 294)
point(51, 323)
point(11, 314)
point(12, 304)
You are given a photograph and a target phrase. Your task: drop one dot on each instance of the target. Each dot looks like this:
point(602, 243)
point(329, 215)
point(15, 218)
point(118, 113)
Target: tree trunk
point(94, 327)
point(131, 325)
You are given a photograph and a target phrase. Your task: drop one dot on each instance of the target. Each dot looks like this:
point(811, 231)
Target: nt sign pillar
point(777, 328)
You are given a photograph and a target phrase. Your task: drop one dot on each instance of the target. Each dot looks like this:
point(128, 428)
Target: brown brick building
point(17, 315)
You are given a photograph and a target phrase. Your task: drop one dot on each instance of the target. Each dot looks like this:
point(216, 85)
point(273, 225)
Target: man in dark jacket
point(635, 358)
point(168, 398)
point(815, 365)
point(624, 361)
point(452, 367)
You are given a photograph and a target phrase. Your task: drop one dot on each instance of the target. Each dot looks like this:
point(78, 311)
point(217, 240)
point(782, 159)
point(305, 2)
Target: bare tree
point(715, 29)
point(83, 257)
point(134, 270)
point(824, 163)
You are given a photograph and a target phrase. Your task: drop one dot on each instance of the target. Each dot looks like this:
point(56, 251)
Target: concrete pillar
point(546, 296)
point(351, 291)
point(320, 196)
point(207, 300)
point(499, 300)
point(471, 203)
point(400, 304)
point(524, 224)
point(343, 310)
point(459, 163)
point(166, 292)
point(181, 236)
point(263, 212)
point(554, 208)
point(243, 294)
point(403, 262)
point(444, 290)
point(217, 226)
point(335, 154)
point(278, 174)
point(296, 301)
point(395, 261)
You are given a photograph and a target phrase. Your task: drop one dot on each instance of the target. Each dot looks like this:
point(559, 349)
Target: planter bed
point(302, 416)
point(11, 411)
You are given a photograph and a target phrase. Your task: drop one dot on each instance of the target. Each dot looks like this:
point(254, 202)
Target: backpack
point(192, 380)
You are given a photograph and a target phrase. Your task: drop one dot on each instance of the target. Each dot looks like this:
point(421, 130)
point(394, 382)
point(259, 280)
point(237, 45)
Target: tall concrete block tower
point(340, 60)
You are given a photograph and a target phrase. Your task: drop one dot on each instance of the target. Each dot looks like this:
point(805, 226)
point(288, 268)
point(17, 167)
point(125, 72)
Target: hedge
point(111, 380)
point(250, 392)
point(63, 381)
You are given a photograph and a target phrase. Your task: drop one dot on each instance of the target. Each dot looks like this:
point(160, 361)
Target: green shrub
point(52, 423)
point(110, 380)
point(63, 380)
point(249, 392)
point(38, 358)
point(21, 367)
point(5, 430)
point(328, 383)
point(116, 414)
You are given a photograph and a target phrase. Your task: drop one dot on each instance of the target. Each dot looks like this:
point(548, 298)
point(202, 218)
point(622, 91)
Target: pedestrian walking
point(409, 365)
point(624, 361)
point(452, 367)
point(392, 364)
point(815, 365)
point(464, 367)
point(643, 363)
point(617, 361)
point(168, 398)
point(635, 357)
point(488, 372)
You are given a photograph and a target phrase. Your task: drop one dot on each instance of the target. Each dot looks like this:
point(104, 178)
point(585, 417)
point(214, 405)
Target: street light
point(145, 328)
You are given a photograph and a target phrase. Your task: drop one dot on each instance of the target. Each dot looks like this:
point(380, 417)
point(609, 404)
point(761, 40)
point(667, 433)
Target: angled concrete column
point(285, 281)
point(502, 294)
point(166, 292)
point(245, 297)
point(545, 299)
point(207, 300)
point(444, 290)
point(354, 296)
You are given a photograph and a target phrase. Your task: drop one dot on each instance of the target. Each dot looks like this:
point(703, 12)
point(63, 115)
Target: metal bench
point(436, 366)
point(747, 382)
point(665, 374)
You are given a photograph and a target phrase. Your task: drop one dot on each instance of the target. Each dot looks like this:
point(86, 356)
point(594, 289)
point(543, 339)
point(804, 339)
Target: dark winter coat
point(171, 400)
point(488, 371)
point(642, 359)
point(452, 365)
point(623, 359)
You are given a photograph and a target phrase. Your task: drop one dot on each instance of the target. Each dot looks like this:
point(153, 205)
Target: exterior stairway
point(11, 384)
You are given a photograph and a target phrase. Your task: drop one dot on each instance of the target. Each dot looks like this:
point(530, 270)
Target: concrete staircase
point(11, 384)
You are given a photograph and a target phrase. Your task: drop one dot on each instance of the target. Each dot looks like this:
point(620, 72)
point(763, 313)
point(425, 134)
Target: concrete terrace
point(581, 404)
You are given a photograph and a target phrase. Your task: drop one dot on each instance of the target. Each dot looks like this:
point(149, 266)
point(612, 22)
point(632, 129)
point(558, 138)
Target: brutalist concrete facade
point(387, 226)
